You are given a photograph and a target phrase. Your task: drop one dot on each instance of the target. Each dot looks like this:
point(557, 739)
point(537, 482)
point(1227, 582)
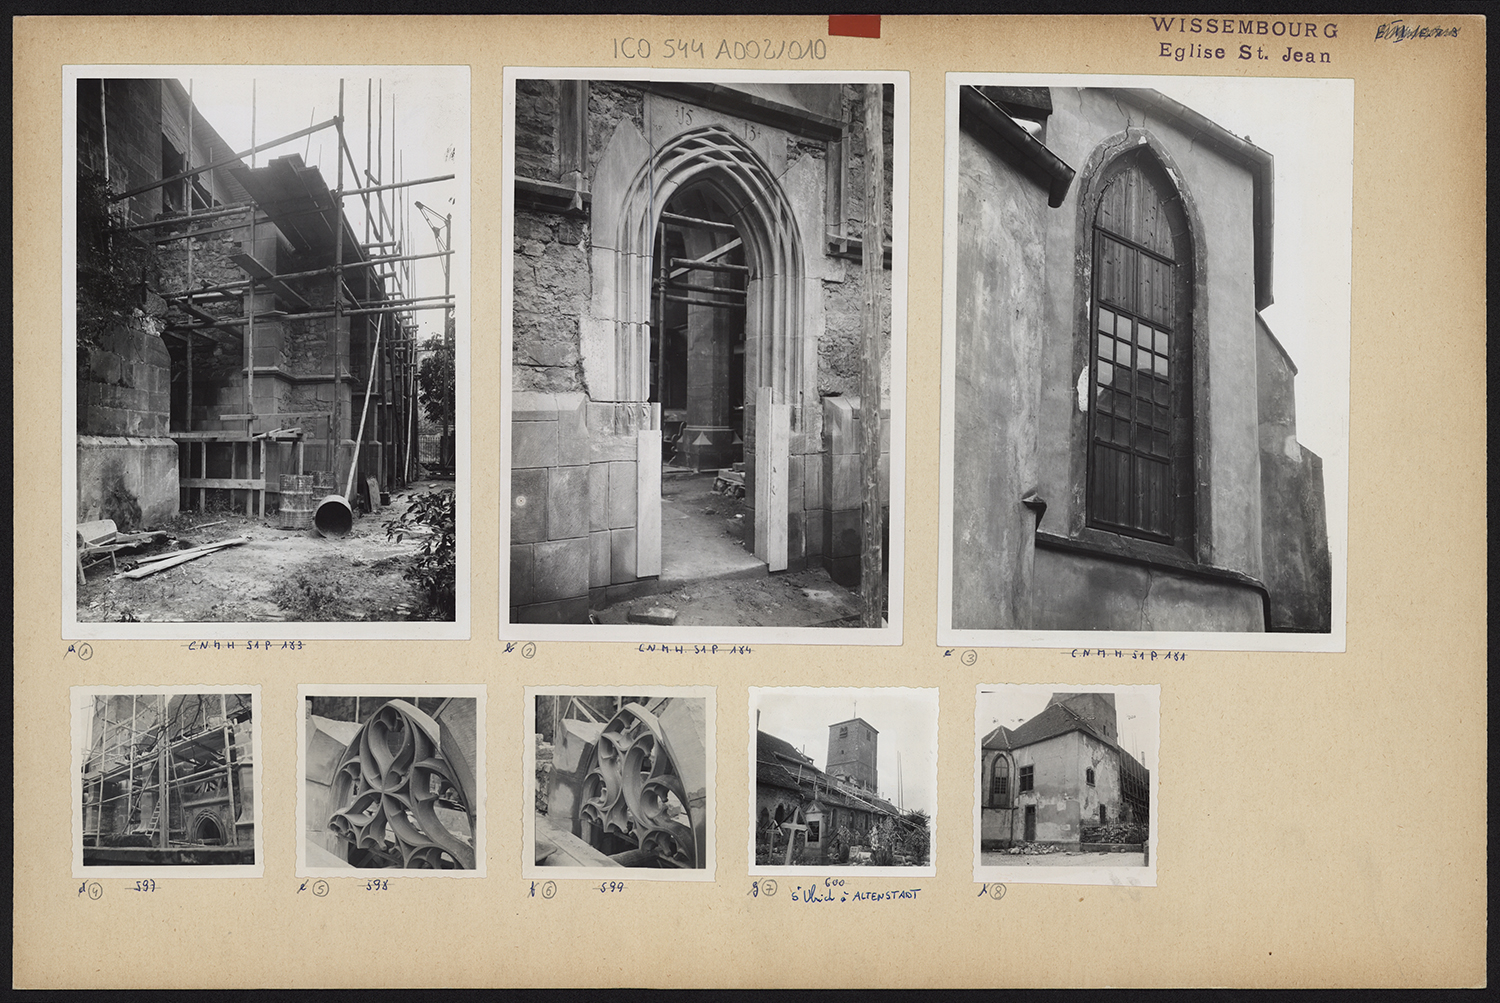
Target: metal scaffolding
point(371, 280)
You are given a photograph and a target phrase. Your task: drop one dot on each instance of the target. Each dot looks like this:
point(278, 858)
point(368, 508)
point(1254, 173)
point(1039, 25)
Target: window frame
point(1027, 781)
point(1088, 776)
point(1189, 516)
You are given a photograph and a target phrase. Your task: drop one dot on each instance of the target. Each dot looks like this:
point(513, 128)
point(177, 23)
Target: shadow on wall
point(116, 501)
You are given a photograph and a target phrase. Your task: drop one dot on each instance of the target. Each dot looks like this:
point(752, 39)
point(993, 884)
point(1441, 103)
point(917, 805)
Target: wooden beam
point(871, 582)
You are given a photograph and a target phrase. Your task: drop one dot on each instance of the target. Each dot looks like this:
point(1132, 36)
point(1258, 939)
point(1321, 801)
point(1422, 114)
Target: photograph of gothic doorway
point(694, 329)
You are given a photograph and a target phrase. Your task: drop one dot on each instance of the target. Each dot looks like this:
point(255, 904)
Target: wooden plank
point(182, 558)
point(264, 274)
point(773, 436)
point(648, 501)
point(232, 483)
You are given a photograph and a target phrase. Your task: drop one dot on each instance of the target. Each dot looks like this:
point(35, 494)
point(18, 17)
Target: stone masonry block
point(842, 539)
point(846, 491)
point(598, 496)
point(794, 481)
point(621, 556)
point(599, 559)
point(572, 430)
point(528, 505)
point(622, 497)
point(561, 569)
point(812, 482)
point(568, 503)
point(533, 444)
point(813, 528)
point(529, 405)
point(521, 582)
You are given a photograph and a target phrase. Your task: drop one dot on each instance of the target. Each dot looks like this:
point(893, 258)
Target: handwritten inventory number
point(1138, 656)
point(693, 649)
point(245, 646)
point(767, 49)
point(993, 889)
point(92, 889)
point(527, 650)
point(759, 888)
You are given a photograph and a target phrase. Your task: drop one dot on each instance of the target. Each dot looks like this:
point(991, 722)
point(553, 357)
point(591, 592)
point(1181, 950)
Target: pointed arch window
point(1140, 434)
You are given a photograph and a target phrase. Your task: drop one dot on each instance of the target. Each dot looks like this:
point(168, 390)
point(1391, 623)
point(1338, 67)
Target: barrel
point(296, 501)
point(333, 516)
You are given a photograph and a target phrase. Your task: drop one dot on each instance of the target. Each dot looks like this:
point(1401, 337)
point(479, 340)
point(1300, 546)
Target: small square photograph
point(266, 280)
point(391, 781)
point(622, 782)
point(167, 782)
point(843, 780)
point(1066, 785)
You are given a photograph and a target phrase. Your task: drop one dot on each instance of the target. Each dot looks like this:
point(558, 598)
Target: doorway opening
point(697, 375)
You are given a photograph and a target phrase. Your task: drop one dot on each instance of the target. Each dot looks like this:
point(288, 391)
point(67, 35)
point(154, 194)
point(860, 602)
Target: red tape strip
point(854, 25)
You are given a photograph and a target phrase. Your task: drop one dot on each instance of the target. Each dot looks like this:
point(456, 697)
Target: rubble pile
point(1030, 849)
point(1115, 832)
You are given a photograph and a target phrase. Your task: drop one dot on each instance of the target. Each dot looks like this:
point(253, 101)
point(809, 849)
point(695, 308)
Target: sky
point(1308, 126)
point(1136, 713)
point(425, 109)
point(905, 720)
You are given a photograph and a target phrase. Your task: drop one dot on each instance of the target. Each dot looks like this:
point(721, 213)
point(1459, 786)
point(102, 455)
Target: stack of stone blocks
point(573, 504)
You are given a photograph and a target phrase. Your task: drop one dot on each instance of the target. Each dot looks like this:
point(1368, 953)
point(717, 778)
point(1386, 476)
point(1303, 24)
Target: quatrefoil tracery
point(387, 788)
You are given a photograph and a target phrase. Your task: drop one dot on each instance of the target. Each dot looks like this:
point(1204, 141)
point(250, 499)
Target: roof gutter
point(978, 114)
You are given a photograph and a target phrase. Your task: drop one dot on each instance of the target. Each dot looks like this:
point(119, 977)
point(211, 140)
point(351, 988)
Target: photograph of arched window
point(1146, 362)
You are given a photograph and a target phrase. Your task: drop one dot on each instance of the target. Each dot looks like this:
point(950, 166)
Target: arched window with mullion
point(1140, 441)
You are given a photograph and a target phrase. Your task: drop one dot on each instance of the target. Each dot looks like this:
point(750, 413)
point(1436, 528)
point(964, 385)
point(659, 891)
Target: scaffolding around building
point(360, 289)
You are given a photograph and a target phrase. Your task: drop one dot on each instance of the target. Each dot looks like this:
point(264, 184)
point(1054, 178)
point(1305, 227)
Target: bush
point(435, 569)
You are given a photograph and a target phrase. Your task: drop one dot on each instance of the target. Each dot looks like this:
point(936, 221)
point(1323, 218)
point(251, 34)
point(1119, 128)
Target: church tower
point(851, 752)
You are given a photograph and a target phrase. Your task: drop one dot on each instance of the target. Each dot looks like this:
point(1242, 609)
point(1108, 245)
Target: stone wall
point(1000, 316)
point(1074, 589)
point(1294, 522)
point(551, 293)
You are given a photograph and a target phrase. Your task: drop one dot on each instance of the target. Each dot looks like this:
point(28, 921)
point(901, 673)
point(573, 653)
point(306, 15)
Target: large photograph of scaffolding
point(166, 779)
point(270, 376)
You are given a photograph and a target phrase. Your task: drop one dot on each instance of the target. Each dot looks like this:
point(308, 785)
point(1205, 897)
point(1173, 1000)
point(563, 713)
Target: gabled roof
point(1054, 721)
point(778, 764)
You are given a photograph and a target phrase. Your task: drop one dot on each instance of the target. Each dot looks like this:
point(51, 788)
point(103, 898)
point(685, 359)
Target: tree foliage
point(435, 569)
point(435, 381)
point(113, 267)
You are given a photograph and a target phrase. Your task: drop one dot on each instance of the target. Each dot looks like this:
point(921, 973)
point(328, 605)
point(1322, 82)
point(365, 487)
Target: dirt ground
point(280, 575)
point(710, 580)
point(796, 599)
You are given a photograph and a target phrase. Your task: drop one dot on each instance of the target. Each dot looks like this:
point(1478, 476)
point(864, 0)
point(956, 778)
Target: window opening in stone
point(1027, 778)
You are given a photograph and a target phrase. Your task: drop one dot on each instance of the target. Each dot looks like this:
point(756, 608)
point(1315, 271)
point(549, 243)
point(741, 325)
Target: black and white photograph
point(843, 780)
point(267, 419)
point(167, 782)
point(621, 783)
point(390, 781)
point(694, 329)
point(1146, 362)
point(1065, 789)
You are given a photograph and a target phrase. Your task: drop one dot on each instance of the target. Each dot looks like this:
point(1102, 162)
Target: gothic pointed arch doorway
point(744, 254)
